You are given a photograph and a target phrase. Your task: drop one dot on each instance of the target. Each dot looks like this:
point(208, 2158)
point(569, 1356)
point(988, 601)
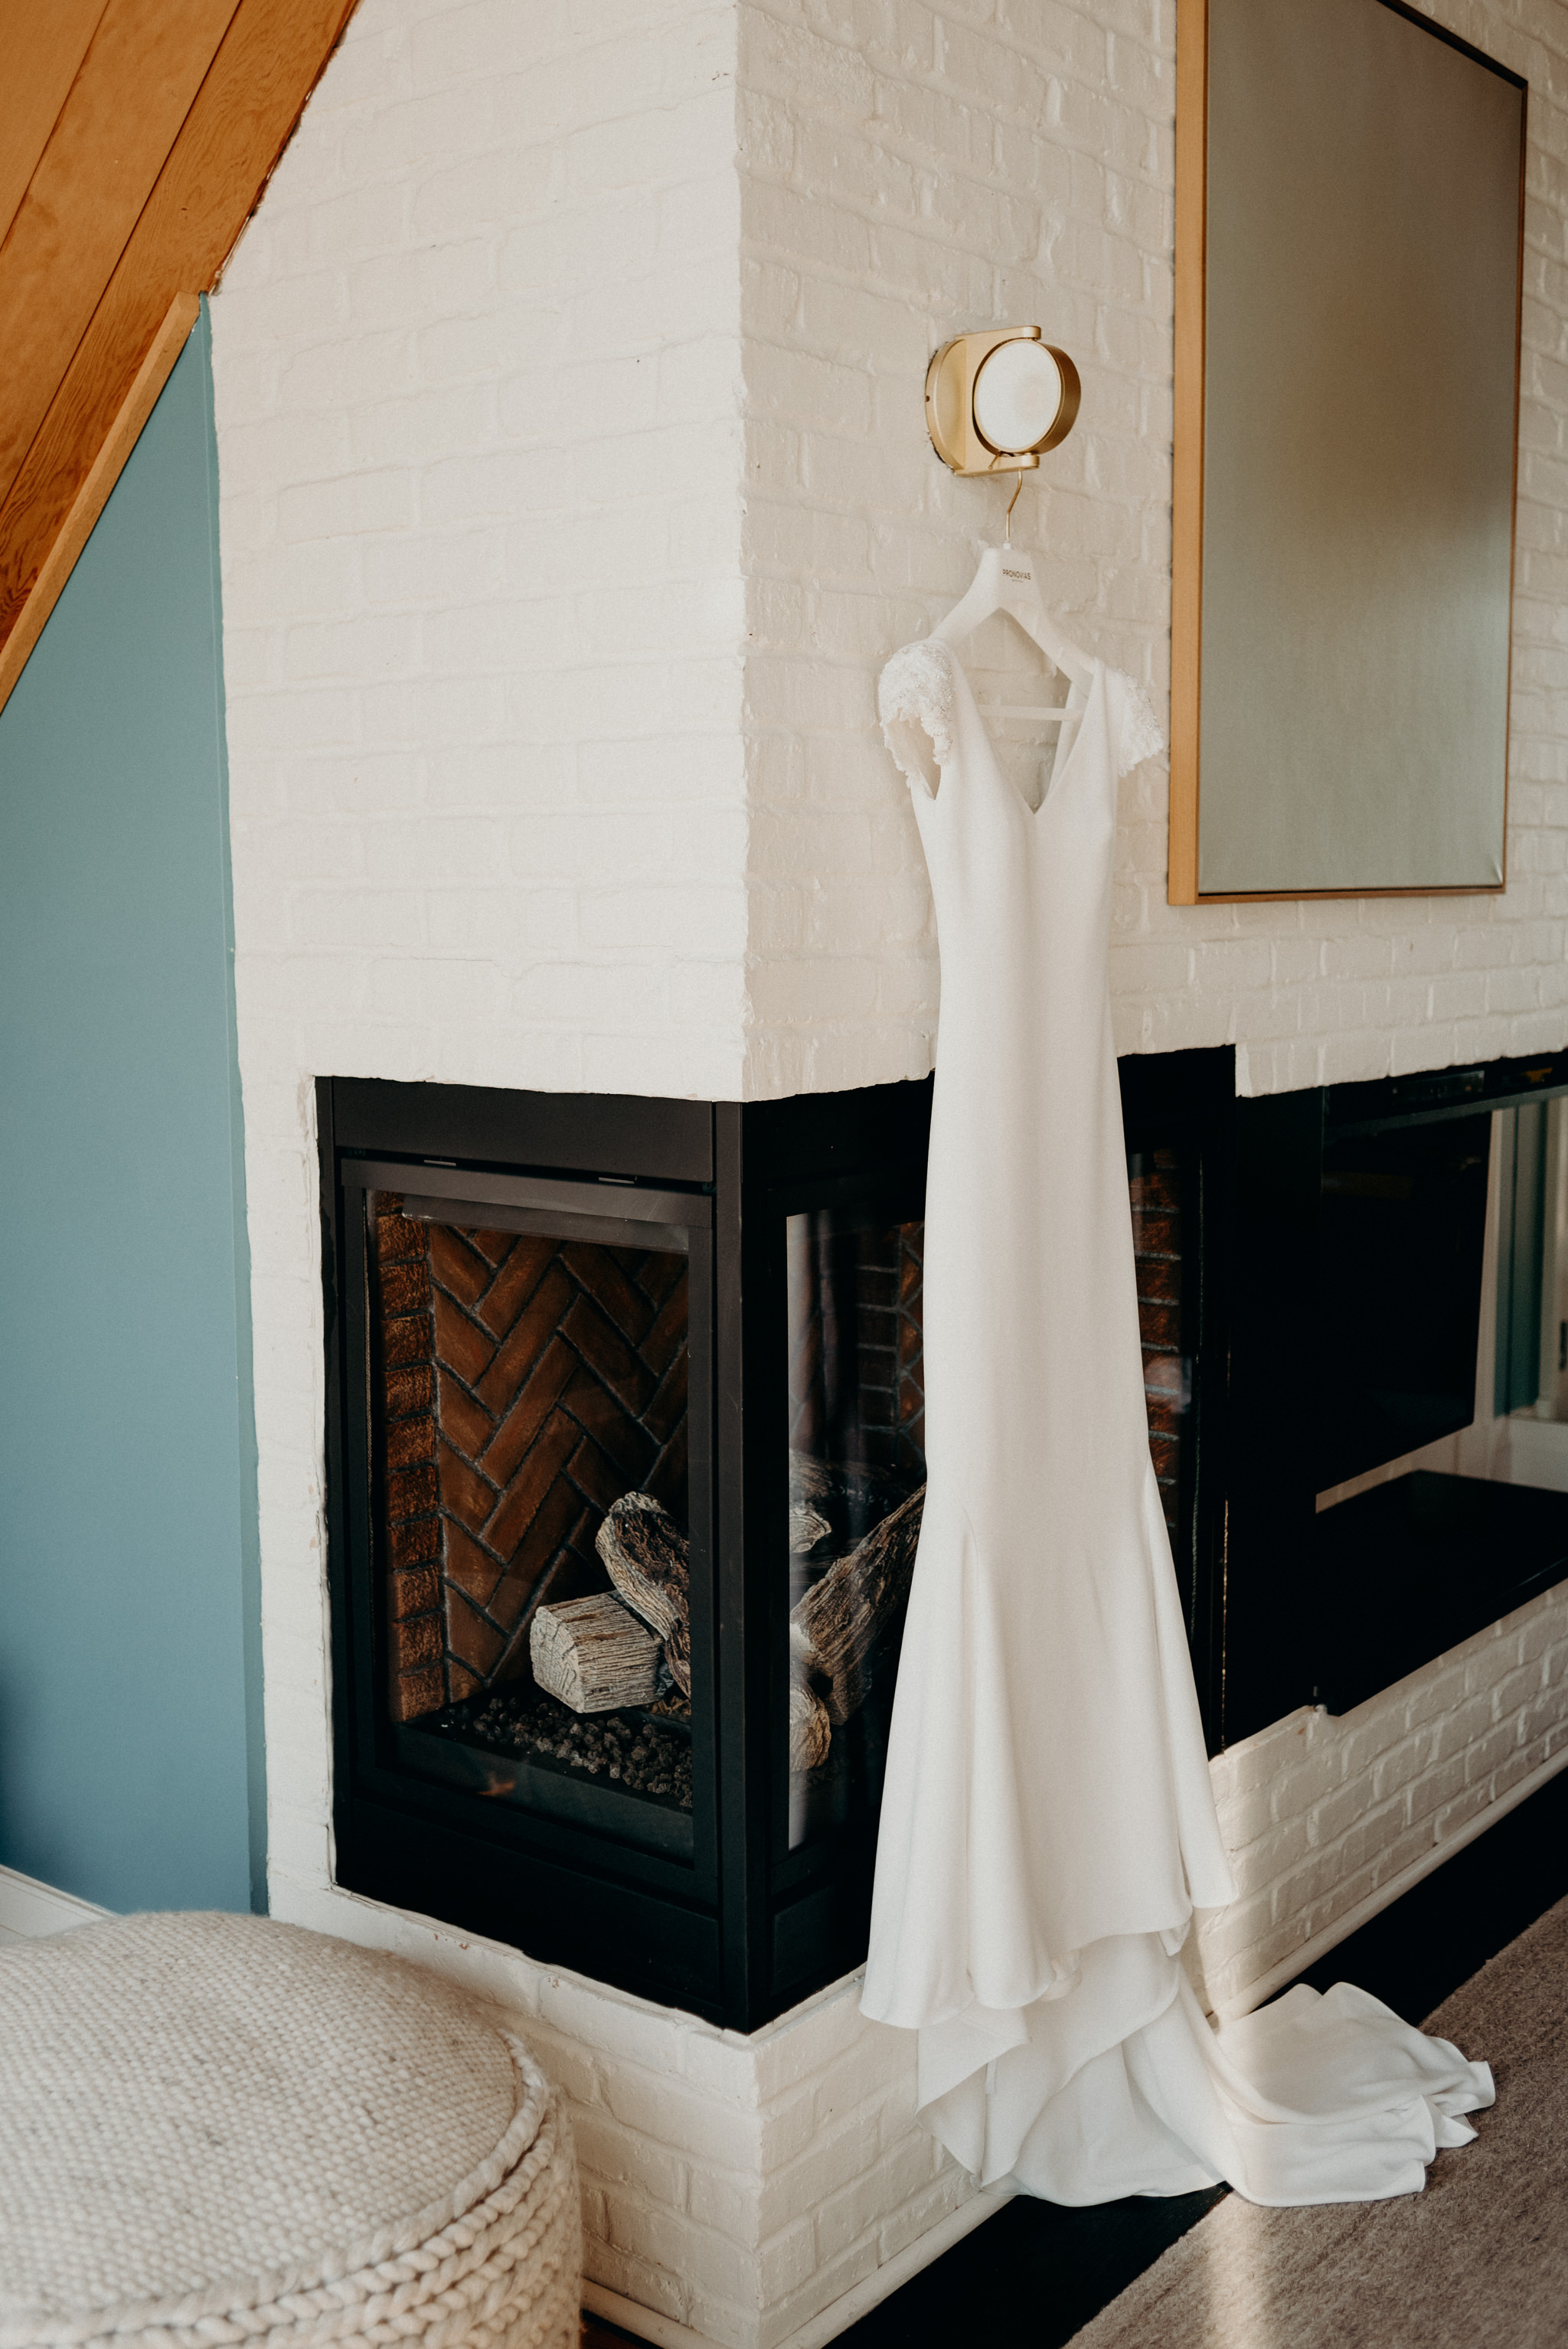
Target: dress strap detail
point(915, 691)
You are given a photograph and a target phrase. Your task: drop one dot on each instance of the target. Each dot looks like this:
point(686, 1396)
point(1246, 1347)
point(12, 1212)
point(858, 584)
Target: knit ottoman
point(215, 2129)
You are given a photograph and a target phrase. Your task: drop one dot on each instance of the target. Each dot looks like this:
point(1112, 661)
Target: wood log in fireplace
point(842, 1617)
point(833, 1630)
point(810, 1730)
point(807, 1526)
point(834, 1504)
point(646, 1557)
point(594, 1654)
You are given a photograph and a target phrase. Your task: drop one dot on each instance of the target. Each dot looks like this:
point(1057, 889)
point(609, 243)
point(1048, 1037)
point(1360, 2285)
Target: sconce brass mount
point(954, 397)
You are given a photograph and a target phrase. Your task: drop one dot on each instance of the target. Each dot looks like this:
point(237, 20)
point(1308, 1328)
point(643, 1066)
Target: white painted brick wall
point(907, 171)
point(1320, 1814)
point(476, 370)
point(477, 367)
point(574, 487)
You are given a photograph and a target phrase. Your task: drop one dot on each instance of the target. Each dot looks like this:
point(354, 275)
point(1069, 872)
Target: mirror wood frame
point(1188, 483)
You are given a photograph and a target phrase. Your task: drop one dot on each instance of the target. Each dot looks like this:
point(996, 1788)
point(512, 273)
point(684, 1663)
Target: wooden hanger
point(1006, 581)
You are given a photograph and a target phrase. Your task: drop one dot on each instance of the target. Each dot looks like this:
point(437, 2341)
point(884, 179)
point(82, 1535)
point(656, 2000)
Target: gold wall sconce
point(996, 402)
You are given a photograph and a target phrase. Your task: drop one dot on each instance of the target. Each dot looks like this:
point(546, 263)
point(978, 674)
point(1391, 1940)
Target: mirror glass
point(1358, 274)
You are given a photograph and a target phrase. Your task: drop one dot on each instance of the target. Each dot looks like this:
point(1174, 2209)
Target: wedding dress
point(1047, 1824)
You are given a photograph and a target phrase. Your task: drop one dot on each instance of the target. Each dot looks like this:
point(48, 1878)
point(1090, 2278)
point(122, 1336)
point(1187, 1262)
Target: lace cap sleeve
point(1138, 735)
point(915, 702)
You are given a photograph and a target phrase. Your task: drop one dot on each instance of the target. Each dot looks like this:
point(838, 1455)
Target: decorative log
point(833, 1630)
point(810, 1730)
point(646, 1557)
point(810, 1479)
point(842, 1493)
point(807, 1527)
point(842, 1617)
point(594, 1654)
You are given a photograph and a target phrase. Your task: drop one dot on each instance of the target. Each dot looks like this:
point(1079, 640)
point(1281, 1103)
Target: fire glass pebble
point(624, 1749)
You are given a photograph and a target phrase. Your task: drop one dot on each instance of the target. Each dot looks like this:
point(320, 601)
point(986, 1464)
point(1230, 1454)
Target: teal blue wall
point(129, 1613)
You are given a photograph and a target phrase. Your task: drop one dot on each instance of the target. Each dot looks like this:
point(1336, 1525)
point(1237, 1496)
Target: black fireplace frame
point(742, 1928)
point(1283, 1607)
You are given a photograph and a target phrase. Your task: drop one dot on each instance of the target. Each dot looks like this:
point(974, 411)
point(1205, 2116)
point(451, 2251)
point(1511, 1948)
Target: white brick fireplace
point(575, 484)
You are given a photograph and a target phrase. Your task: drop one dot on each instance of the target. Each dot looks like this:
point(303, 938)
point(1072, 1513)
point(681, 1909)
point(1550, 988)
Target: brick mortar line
point(756, 247)
point(904, 147)
point(930, 78)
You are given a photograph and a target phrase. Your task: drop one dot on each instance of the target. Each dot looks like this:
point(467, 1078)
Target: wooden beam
point(1187, 519)
point(146, 63)
point(241, 118)
point(93, 496)
point(43, 49)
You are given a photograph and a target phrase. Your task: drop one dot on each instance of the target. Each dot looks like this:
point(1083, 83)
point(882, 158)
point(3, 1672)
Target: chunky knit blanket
point(218, 2130)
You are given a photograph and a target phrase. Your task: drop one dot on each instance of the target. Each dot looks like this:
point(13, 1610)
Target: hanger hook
point(1007, 517)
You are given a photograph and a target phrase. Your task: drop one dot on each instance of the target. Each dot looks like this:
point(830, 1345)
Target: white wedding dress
point(1048, 1826)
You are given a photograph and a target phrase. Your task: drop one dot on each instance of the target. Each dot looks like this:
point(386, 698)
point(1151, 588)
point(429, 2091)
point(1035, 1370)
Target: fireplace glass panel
point(1402, 1239)
point(857, 1465)
point(559, 1360)
point(856, 1476)
point(529, 1418)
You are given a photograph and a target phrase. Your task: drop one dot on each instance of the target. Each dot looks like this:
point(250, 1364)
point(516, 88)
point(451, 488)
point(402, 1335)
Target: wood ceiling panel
point(216, 160)
point(146, 63)
point(42, 49)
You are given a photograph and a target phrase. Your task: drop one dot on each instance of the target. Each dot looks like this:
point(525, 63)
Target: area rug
point(1479, 2258)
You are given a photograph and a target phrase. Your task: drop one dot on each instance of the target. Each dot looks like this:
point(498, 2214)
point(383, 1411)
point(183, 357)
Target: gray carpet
point(1479, 2261)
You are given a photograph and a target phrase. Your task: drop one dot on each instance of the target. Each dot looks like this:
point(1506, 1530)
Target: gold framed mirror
point(1348, 269)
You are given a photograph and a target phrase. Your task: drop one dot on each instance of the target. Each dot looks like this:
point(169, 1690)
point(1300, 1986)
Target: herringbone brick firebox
point(529, 1383)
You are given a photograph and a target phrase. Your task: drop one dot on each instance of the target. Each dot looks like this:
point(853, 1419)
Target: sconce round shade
point(1025, 398)
point(995, 400)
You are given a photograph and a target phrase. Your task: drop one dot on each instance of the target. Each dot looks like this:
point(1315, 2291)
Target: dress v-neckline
point(1059, 765)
